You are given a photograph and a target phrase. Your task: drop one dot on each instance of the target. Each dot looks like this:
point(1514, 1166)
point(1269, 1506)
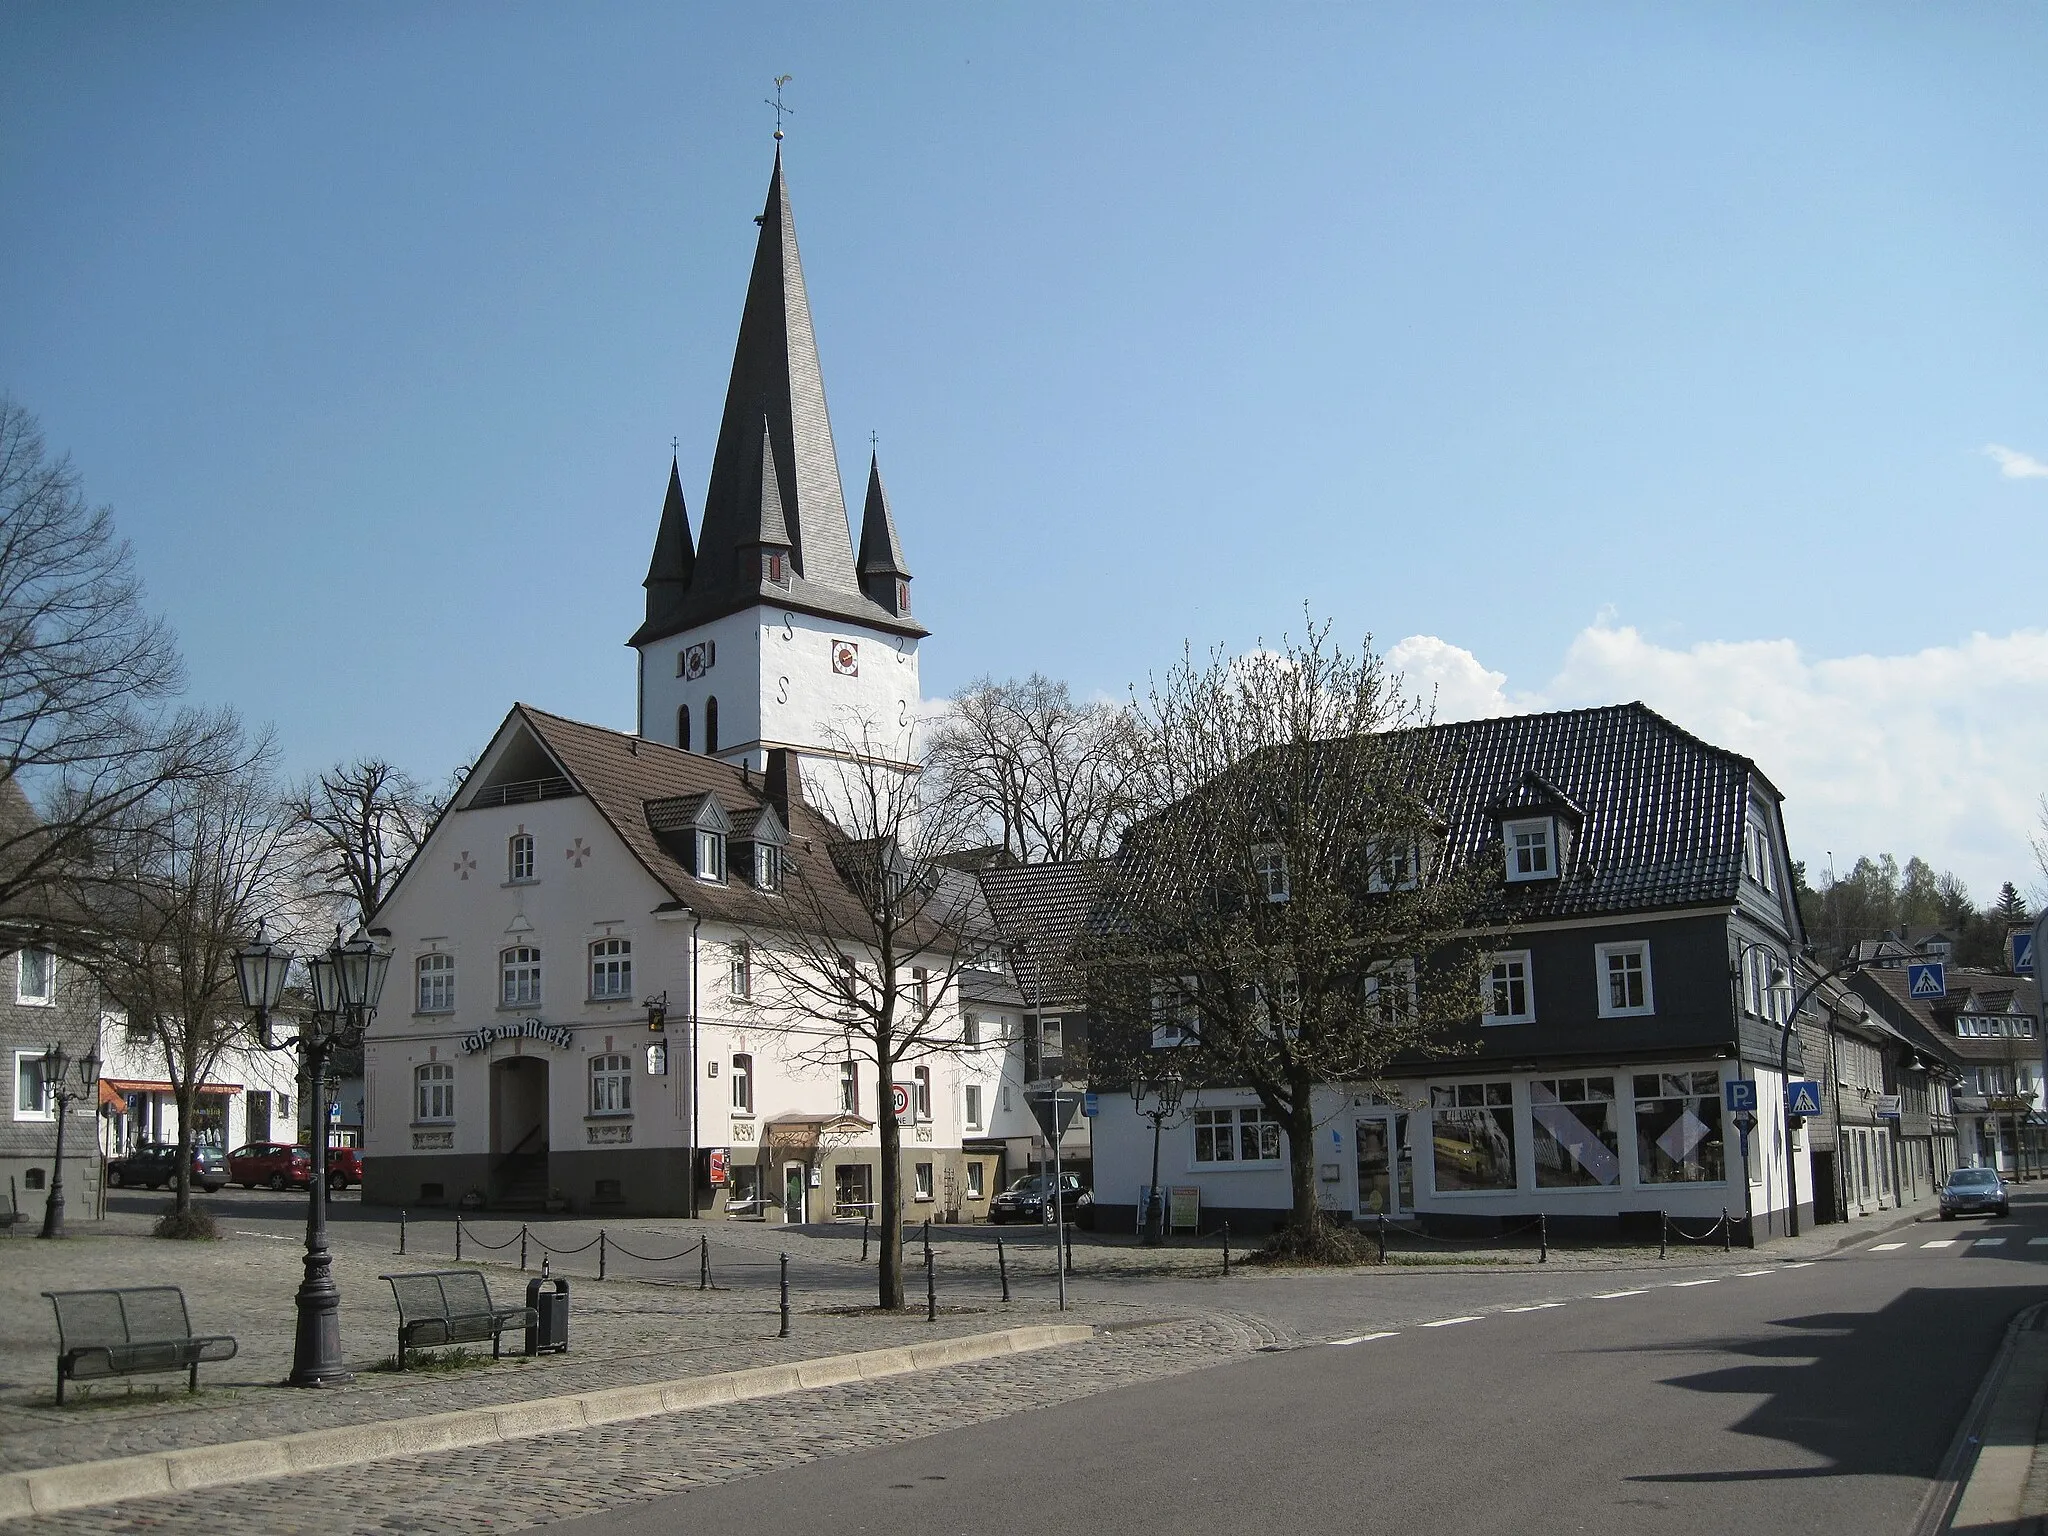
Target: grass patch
point(460, 1358)
point(104, 1395)
point(193, 1224)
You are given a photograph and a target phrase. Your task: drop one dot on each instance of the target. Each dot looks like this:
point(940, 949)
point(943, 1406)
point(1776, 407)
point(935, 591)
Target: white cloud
point(2015, 465)
point(1941, 752)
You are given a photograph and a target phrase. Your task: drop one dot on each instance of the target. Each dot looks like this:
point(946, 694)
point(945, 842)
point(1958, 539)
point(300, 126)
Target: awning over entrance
point(140, 1085)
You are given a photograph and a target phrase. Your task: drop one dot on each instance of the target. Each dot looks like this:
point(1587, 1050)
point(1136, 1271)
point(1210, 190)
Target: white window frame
point(519, 860)
point(849, 1086)
point(1236, 1117)
point(1404, 1001)
point(45, 1108)
point(1386, 871)
point(970, 1106)
point(977, 1179)
point(611, 970)
point(1509, 833)
point(740, 1073)
point(1269, 870)
point(1527, 1013)
point(921, 1092)
point(435, 970)
point(1620, 947)
point(47, 998)
point(739, 980)
point(710, 856)
point(1177, 1013)
point(527, 968)
point(611, 1084)
point(1758, 860)
point(767, 867)
point(433, 1094)
point(922, 1180)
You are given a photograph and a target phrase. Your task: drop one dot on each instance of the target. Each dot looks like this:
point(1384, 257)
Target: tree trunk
point(890, 1195)
point(1300, 1123)
point(181, 1177)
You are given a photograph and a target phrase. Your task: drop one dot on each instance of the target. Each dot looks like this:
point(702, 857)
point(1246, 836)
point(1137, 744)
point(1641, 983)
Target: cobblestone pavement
point(555, 1477)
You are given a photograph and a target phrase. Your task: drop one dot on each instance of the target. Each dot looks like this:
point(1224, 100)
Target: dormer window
point(710, 854)
point(1756, 853)
point(767, 867)
point(1395, 866)
point(1531, 849)
point(1269, 870)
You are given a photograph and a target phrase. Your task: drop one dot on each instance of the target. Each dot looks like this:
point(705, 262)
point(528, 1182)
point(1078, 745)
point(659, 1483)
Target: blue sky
point(1581, 351)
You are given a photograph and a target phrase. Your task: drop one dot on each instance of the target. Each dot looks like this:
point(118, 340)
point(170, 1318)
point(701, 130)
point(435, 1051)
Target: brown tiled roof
point(1041, 910)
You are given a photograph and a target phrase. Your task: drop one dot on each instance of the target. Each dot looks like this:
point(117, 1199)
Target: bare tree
point(88, 730)
point(361, 823)
point(1046, 777)
point(173, 887)
point(863, 963)
point(1283, 917)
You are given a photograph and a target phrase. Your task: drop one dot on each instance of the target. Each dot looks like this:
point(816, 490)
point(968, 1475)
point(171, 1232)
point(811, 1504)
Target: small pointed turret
point(765, 556)
point(883, 575)
point(675, 557)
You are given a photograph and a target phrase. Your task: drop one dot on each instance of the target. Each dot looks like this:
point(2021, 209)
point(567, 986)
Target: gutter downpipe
point(690, 1177)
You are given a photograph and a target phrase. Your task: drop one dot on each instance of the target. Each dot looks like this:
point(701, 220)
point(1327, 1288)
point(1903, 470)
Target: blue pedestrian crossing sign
point(1740, 1093)
point(1927, 980)
point(1802, 1098)
point(2023, 952)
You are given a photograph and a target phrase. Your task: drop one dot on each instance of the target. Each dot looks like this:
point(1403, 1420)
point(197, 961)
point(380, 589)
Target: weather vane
point(780, 109)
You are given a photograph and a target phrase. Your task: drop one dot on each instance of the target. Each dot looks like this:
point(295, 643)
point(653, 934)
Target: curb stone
point(84, 1484)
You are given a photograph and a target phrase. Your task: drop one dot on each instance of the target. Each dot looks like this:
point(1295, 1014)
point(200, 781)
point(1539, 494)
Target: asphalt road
point(1761, 1401)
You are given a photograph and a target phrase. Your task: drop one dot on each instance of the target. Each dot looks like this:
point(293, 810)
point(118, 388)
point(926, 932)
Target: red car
point(271, 1163)
point(344, 1167)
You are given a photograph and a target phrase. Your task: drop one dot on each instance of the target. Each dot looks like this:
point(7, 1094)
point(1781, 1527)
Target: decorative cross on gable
point(464, 865)
point(578, 854)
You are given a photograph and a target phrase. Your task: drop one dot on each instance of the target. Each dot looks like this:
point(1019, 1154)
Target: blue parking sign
point(1740, 1093)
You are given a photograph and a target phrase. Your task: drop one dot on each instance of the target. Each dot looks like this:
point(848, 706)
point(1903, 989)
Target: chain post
point(1725, 1234)
point(601, 1245)
point(1070, 1250)
point(1226, 1249)
point(1542, 1239)
point(522, 1245)
point(1003, 1266)
point(1383, 1237)
point(703, 1263)
point(864, 1236)
point(458, 1239)
point(401, 1232)
point(1663, 1235)
point(927, 1239)
point(785, 1298)
point(931, 1288)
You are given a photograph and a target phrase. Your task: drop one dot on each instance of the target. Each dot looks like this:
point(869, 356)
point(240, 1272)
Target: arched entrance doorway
point(519, 1133)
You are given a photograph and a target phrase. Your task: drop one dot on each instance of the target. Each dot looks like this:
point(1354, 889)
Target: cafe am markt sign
point(557, 1035)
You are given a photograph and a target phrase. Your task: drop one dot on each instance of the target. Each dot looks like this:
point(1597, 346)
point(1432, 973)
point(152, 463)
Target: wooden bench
point(131, 1331)
point(450, 1306)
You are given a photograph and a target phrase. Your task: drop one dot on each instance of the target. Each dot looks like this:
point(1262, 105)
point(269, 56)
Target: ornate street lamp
point(347, 983)
point(1166, 1092)
point(57, 1065)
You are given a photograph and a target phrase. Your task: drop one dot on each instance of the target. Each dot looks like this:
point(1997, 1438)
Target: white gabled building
point(586, 882)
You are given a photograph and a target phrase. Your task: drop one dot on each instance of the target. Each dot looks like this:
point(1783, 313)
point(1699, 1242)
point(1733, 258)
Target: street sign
point(1927, 979)
point(1042, 1105)
point(2023, 952)
point(1888, 1106)
point(900, 1100)
point(1740, 1093)
point(1802, 1098)
point(1090, 1106)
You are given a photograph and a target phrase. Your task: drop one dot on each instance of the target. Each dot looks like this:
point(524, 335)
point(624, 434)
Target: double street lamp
point(57, 1069)
point(346, 983)
point(1166, 1092)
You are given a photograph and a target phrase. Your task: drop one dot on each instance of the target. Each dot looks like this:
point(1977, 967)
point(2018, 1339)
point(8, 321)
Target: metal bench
point(450, 1306)
point(131, 1331)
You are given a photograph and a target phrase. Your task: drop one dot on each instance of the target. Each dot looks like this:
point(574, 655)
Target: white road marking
point(1361, 1338)
point(1802, 1264)
point(1750, 1274)
point(2037, 1242)
point(1679, 1285)
point(1885, 1247)
point(1445, 1322)
point(1617, 1295)
point(1988, 1242)
point(1535, 1307)
point(1940, 1242)
point(271, 1235)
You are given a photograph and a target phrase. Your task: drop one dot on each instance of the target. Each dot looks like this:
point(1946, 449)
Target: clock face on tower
point(846, 658)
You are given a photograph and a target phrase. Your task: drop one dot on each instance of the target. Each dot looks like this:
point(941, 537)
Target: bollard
point(785, 1298)
point(703, 1264)
point(927, 1239)
point(1226, 1249)
point(1542, 1239)
point(1663, 1236)
point(931, 1289)
point(1725, 1234)
point(401, 1232)
point(544, 1267)
point(522, 1245)
point(1003, 1266)
point(600, 1252)
point(1383, 1237)
point(1070, 1250)
point(458, 1239)
point(863, 1236)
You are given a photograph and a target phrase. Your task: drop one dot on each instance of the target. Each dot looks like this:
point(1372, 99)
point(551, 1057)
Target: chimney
point(783, 782)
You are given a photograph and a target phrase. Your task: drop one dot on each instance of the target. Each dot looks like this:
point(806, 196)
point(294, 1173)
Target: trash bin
point(548, 1333)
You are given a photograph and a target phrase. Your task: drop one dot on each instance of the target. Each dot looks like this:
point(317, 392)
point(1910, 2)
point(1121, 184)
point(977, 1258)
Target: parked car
point(344, 1167)
point(275, 1164)
point(154, 1164)
point(1025, 1200)
point(1974, 1189)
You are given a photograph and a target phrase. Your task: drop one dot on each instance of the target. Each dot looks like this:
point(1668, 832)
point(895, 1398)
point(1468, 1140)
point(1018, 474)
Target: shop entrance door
point(1386, 1165)
point(793, 1193)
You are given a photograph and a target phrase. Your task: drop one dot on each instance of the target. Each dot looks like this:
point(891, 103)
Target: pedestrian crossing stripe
point(1940, 1242)
point(1885, 1247)
point(1989, 1242)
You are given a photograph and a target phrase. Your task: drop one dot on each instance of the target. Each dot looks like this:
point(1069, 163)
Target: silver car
point(1974, 1190)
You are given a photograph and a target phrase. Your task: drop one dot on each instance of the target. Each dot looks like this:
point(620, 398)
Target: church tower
point(766, 631)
